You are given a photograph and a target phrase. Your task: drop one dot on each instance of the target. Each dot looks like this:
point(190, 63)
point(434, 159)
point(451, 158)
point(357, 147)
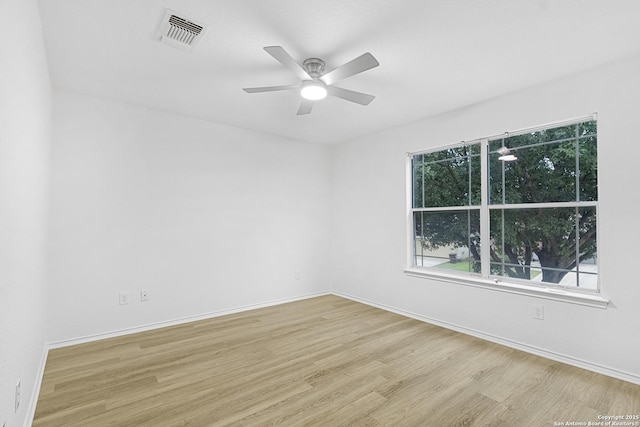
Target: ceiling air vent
point(178, 31)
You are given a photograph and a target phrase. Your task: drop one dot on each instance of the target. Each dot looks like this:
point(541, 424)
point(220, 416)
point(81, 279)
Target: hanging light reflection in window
point(506, 156)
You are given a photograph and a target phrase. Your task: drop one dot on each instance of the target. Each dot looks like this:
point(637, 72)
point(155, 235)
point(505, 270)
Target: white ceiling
point(435, 55)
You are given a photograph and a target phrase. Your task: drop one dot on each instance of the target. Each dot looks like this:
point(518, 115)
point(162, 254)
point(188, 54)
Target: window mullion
point(424, 200)
point(577, 229)
point(516, 206)
point(485, 244)
point(577, 135)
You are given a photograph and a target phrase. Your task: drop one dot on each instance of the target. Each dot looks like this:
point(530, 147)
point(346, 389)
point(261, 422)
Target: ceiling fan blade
point(285, 59)
point(305, 107)
point(269, 88)
point(364, 62)
point(350, 95)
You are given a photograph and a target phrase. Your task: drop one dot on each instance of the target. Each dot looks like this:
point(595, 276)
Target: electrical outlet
point(17, 405)
point(124, 298)
point(297, 275)
point(538, 312)
point(144, 295)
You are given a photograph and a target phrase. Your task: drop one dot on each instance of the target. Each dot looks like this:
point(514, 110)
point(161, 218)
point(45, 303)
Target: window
point(520, 208)
point(446, 208)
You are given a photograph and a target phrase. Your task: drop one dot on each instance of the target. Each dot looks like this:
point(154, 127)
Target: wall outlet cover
point(123, 298)
point(538, 312)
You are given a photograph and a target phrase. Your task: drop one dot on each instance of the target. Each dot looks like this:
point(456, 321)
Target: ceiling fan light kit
point(313, 90)
point(314, 83)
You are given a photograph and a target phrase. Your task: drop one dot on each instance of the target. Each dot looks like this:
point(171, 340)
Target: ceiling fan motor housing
point(314, 67)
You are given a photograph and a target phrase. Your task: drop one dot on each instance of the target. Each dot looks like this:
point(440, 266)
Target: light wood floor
point(324, 361)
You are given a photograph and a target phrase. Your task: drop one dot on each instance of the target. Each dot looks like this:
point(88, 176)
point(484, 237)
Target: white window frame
point(592, 298)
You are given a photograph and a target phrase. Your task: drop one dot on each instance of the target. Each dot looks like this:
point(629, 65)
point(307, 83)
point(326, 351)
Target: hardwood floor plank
point(317, 362)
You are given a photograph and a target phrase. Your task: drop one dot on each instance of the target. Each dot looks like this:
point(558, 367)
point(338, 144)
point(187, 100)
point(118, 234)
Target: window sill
point(564, 295)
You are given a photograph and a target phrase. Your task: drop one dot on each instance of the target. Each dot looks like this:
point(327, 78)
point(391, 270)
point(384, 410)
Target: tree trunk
point(548, 261)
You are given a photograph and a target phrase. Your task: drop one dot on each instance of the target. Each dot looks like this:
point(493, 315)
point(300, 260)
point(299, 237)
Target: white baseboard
point(173, 322)
point(31, 409)
point(569, 360)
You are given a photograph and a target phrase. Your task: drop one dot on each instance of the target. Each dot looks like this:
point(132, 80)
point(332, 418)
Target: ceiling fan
point(315, 84)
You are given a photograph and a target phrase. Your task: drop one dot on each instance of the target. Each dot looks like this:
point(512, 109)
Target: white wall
point(369, 211)
point(207, 217)
point(25, 114)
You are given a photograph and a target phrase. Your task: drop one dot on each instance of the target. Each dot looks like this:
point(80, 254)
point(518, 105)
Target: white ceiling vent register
point(178, 31)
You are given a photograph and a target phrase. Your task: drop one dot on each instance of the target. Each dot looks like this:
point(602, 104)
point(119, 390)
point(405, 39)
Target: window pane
point(540, 244)
point(496, 192)
point(589, 128)
point(447, 183)
point(556, 134)
point(552, 135)
point(587, 280)
point(587, 248)
point(542, 173)
point(588, 169)
point(449, 239)
point(416, 165)
point(475, 177)
point(551, 164)
point(454, 153)
point(448, 177)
